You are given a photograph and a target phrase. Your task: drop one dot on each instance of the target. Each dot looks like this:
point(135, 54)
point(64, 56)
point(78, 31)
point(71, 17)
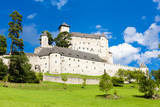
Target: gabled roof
point(69, 53)
point(64, 24)
point(83, 35)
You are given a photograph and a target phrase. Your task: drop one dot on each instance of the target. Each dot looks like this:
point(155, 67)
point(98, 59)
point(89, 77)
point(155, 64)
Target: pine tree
point(50, 38)
point(15, 29)
point(3, 45)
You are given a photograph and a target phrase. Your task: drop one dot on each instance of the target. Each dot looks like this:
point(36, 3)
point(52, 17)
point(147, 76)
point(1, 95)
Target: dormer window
point(69, 53)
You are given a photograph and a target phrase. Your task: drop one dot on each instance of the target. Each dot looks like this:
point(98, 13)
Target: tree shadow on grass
point(101, 96)
point(139, 96)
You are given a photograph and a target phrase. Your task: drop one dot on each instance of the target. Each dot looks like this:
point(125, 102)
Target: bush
point(39, 77)
point(3, 70)
point(147, 86)
point(84, 82)
point(117, 81)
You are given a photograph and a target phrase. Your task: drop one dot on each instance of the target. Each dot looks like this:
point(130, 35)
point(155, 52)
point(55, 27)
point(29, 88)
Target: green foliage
point(3, 45)
point(50, 38)
point(156, 75)
point(3, 70)
point(39, 77)
point(84, 82)
point(15, 29)
point(105, 83)
point(64, 79)
point(117, 81)
point(129, 74)
point(147, 86)
point(20, 70)
point(115, 93)
point(63, 39)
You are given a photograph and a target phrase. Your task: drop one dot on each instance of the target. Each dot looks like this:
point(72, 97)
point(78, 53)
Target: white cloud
point(148, 55)
point(149, 38)
point(102, 31)
point(98, 26)
point(143, 17)
point(157, 18)
point(157, 1)
point(125, 53)
point(38, 0)
point(59, 4)
point(31, 16)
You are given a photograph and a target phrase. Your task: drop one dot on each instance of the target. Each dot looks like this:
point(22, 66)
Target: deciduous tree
point(3, 45)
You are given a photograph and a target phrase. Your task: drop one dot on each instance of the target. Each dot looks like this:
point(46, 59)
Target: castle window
point(92, 58)
point(73, 59)
point(83, 42)
point(78, 60)
point(94, 67)
point(62, 53)
point(44, 57)
point(104, 64)
point(79, 42)
point(55, 61)
point(85, 57)
point(93, 62)
point(77, 55)
point(73, 69)
point(88, 43)
point(87, 61)
point(78, 65)
point(69, 53)
point(69, 58)
point(87, 48)
point(83, 48)
point(79, 47)
point(69, 64)
point(104, 70)
point(86, 67)
point(45, 63)
point(56, 55)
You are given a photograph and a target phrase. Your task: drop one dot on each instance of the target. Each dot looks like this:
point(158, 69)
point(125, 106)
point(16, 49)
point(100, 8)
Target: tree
point(105, 83)
point(50, 38)
point(15, 29)
point(84, 82)
point(159, 48)
point(3, 70)
point(3, 45)
point(156, 75)
point(147, 86)
point(64, 79)
point(63, 39)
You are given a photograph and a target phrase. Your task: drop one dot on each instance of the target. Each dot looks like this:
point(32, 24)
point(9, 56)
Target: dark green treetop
point(63, 39)
point(49, 35)
point(3, 45)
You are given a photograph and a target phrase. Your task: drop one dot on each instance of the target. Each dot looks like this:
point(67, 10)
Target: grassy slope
point(52, 94)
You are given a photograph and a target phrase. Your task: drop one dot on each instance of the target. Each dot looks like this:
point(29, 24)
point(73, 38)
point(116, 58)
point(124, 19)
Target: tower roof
point(45, 33)
point(142, 65)
point(64, 24)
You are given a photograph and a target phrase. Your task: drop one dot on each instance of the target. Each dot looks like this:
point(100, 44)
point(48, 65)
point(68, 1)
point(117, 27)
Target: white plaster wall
point(64, 28)
point(55, 63)
point(44, 41)
point(5, 61)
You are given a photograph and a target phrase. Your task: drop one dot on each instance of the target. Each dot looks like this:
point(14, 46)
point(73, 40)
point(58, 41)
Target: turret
point(44, 40)
point(63, 27)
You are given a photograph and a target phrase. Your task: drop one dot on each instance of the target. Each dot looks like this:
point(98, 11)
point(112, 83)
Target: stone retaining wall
point(70, 80)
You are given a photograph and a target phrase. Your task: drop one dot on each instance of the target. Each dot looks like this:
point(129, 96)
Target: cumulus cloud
point(59, 3)
point(38, 0)
point(157, 1)
point(125, 54)
point(31, 16)
point(149, 38)
point(157, 18)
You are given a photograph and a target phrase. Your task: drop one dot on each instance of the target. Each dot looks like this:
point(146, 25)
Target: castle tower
point(44, 40)
point(64, 27)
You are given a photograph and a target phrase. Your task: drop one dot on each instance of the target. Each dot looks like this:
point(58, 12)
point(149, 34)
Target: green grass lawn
point(51, 94)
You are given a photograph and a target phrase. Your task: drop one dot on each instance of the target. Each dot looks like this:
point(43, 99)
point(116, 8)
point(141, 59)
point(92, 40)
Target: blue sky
point(131, 26)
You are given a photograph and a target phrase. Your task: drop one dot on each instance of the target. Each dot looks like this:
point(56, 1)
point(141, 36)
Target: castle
point(88, 55)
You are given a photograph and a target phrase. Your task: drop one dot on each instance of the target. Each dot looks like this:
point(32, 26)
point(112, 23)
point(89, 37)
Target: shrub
point(117, 81)
point(84, 82)
point(39, 77)
point(147, 86)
